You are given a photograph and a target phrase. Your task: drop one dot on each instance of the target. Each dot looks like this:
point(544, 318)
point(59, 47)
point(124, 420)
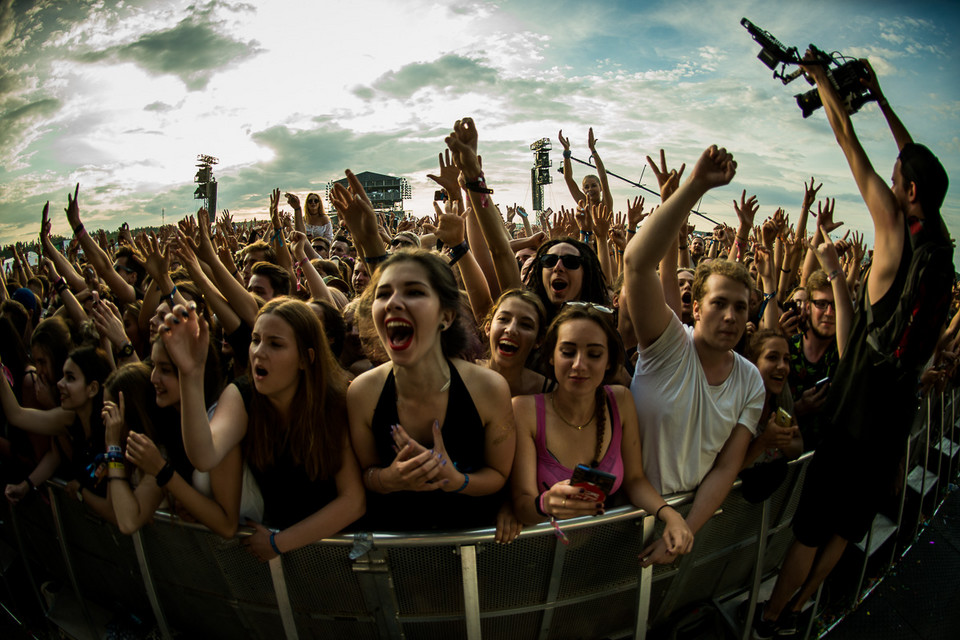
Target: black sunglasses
point(119, 267)
point(570, 261)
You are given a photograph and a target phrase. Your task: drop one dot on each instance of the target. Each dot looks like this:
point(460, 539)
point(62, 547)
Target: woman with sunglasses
point(565, 269)
point(584, 421)
point(313, 221)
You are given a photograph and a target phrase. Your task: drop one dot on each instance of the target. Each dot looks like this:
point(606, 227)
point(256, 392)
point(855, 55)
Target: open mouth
point(686, 297)
point(559, 285)
point(259, 372)
point(399, 334)
point(507, 347)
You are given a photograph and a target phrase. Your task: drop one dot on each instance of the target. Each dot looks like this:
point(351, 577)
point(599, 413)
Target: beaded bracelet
point(466, 481)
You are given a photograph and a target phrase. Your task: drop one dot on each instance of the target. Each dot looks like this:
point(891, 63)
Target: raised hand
point(45, 225)
point(354, 207)
point(825, 215)
point(810, 193)
point(747, 209)
point(451, 228)
point(113, 419)
point(591, 142)
point(601, 218)
point(293, 200)
point(462, 143)
point(186, 338)
point(715, 168)
point(73, 209)
point(108, 321)
point(564, 142)
point(635, 213)
point(155, 259)
point(448, 180)
point(667, 179)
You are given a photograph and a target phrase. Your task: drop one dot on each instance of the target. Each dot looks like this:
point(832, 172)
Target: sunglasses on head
point(570, 261)
point(401, 242)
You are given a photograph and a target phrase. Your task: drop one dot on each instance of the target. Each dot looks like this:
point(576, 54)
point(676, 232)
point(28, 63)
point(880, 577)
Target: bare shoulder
point(525, 413)
point(480, 379)
point(369, 382)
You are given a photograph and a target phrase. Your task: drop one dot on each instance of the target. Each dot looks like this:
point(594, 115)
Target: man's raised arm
point(880, 201)
point(644, 293)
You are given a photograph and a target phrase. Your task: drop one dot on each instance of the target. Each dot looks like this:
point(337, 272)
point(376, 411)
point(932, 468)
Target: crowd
point(465, 369)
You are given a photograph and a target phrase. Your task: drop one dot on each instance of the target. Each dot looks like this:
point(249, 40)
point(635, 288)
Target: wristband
point(479, 186)
point(521, 212)
point(78, 230)
point(631, 230)
point(458, 252)
point(169, 296)
point(836, 273)
point(164, 475)
point(277, 234)
point(115, 465)
point(657, 516)
point(273, 544)
point(114, 448)
point(566, 154)
point(60, 285)
point(30, 484)
point(538, 505)
point(466, 481)
point(785, 270)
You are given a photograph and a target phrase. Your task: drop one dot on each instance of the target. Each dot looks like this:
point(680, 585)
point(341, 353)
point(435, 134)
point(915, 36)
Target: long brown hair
point(315, 433)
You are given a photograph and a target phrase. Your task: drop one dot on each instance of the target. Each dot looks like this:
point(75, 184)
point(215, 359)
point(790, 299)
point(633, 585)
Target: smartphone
point(783, 418)
point(595, 483)
point(440, 195)
point(822, 383)
point(789, 305)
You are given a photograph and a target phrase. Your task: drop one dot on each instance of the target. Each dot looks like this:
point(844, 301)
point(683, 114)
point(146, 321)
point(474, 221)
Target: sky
point(122, 96)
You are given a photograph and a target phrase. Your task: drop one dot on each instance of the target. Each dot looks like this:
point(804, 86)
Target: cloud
point(194, 50)
point(451, 72)
point(17, 128)
point(158, 106)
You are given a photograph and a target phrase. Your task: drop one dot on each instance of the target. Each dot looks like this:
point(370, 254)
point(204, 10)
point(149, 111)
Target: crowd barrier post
point(283, 598)
point(758, 568)
point(373, 576)
point(953, 440)
point(471, 590)
point(68, 562)
point(644, 584)
point(150, 587)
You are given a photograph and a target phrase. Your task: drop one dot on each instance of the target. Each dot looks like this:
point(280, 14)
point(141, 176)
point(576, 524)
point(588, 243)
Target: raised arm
point(607, 198)
point(880, 201)
point(95, 254)
point(63, 267)
point(186, 338)
point(462, 143)
point(644, 294)
point(568, 178)
point(900, 133)
point(826, 253)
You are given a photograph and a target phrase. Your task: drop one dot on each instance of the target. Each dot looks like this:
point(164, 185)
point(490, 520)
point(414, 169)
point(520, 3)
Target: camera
point(843, 72)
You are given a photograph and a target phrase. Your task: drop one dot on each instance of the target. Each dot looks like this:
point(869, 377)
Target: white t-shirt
point(684, 420)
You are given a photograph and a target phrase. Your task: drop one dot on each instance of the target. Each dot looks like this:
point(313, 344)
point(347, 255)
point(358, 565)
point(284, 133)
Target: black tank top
point(463, 438)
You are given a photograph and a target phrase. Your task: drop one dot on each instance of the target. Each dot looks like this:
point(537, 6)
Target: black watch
point(126, 350)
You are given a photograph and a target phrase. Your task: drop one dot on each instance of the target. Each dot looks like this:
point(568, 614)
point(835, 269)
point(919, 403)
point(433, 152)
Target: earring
point(443, 326)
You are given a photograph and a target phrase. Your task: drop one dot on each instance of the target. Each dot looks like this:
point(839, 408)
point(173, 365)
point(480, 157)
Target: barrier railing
point(446, 585)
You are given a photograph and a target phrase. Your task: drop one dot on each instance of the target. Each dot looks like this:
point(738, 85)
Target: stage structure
point(386, 193)
point(206, 183)
point(540, 172)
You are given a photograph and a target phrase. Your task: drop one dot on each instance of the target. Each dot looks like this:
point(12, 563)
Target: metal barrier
point(447, 585)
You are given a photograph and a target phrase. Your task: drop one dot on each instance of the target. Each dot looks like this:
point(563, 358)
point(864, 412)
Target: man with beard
point(871, 406)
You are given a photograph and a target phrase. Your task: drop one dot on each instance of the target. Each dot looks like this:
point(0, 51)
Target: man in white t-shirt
point(698, 401)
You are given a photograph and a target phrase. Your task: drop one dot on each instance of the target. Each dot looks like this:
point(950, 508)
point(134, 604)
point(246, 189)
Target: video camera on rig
point(845, 75)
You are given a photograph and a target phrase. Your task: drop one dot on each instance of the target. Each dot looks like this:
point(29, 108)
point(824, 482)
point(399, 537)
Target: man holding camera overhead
point(873, 396)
